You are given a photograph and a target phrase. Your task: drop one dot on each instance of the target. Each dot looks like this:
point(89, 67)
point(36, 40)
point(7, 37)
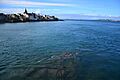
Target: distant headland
point(26, 17)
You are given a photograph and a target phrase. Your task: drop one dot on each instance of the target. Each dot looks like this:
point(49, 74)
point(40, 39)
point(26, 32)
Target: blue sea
point(25, 44)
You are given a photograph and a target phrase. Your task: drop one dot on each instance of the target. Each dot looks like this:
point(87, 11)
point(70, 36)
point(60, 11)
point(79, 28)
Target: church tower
point(25, 11)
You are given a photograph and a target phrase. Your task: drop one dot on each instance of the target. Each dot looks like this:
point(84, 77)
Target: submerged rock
point(54, 67)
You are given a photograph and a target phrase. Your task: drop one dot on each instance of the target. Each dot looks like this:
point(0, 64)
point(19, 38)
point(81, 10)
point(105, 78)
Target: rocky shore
point(25, 17)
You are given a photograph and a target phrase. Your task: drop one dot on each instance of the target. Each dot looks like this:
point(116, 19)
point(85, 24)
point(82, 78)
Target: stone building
point(31, 16)
point(2, 17)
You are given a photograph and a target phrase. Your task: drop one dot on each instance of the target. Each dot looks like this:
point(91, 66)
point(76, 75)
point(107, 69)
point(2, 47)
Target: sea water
point(26, 44)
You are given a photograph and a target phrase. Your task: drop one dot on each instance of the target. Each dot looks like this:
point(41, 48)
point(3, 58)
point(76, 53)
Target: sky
point(67, 9)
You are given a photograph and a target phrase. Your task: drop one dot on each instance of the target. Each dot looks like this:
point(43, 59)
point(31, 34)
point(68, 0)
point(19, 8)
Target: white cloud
point(31, 3)
point(11, 10)
point(21, 10)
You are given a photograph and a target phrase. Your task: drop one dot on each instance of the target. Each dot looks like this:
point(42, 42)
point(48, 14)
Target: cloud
point(87, 16)
point(36, 10)
point(11, 10)
point(32, 3)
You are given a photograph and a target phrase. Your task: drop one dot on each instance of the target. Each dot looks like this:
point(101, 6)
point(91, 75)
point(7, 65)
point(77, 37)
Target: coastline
point(31, 21)
point(103, 20)
point(26, 17)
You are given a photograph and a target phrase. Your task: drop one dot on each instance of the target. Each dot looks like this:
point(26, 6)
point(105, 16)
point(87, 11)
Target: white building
point(31, 16)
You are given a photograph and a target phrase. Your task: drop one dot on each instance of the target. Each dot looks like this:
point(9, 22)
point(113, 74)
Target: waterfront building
point(31, 16)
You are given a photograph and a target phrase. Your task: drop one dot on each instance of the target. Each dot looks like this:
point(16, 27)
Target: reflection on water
point(68, 50)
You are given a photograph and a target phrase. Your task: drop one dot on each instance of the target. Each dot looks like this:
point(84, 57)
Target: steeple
point(25, 11)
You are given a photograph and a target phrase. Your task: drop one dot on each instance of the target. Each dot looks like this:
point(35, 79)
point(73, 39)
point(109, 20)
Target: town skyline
point(26, 17)
point(90, 9)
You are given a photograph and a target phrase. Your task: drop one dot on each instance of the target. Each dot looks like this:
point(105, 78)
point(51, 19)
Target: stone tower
point(25, 11)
